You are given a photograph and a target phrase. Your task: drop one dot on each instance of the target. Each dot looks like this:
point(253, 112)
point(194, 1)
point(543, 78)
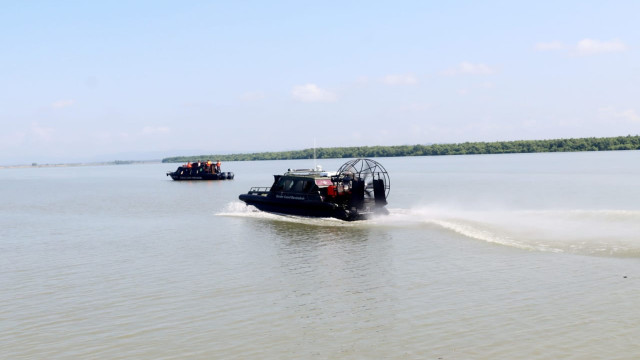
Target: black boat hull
point(307, 208)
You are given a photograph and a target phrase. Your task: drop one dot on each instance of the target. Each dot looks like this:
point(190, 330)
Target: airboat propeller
point(375, 179)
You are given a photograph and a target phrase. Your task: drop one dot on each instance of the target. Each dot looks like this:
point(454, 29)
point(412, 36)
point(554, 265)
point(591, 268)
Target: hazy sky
point(107, 80)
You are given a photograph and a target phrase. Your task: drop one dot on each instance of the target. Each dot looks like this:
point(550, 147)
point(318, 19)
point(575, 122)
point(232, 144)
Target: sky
point(138, 80)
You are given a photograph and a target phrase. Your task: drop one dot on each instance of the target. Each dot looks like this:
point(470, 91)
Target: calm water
point(532, 256)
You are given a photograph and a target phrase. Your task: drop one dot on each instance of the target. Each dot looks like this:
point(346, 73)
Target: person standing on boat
point(218, 166)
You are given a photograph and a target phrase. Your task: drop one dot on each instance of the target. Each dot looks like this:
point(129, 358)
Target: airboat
point(357, 191)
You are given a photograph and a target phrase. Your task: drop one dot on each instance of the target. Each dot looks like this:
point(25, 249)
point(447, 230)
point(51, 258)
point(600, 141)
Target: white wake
point(607, 232)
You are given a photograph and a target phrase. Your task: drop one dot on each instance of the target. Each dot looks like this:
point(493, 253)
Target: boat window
point(307, 186)
point(288, 184)
point(299, 184)
point(280, 185)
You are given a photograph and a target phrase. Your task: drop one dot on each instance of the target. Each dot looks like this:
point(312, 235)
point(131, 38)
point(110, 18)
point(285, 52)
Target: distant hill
point(468, 148)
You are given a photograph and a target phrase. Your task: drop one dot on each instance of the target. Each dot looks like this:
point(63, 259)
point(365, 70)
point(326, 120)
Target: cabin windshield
point(295, 185)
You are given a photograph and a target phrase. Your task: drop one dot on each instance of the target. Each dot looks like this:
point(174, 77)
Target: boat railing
point(259, 190)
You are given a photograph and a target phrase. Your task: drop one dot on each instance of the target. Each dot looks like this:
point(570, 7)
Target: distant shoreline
point(628, 142)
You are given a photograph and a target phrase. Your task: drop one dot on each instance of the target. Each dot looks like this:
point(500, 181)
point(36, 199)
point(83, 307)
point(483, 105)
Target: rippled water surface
point(529, 256)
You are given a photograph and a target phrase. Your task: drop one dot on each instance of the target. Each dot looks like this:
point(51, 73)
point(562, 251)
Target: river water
point(524, 256)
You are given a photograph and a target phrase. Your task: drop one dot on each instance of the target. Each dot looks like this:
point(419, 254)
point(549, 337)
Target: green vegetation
point(467, 148)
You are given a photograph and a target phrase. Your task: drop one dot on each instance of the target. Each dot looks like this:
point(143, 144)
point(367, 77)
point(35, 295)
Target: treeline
point(468, 148)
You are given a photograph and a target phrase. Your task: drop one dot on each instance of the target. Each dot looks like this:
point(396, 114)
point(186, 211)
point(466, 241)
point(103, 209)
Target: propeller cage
point(368, 179)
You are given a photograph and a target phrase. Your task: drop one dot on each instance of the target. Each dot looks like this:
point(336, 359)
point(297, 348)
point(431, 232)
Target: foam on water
point(591, 232)
point(240, 209)
point(607, 232)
